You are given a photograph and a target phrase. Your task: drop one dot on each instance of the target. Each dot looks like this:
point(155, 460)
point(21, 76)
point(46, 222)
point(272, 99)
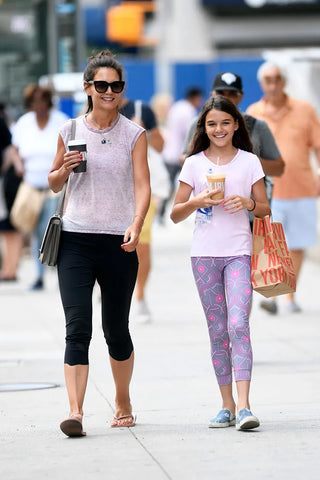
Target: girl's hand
point(204, 200)
point(71, 160)
point(235, 203)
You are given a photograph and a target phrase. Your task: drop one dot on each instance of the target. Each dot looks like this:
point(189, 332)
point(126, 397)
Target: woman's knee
point(120, 349)
point(77, 353)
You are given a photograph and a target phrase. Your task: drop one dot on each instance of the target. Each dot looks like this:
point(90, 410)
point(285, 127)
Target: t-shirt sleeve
point(257, 171)
point(16, 133)
point(268, 147)
point(187, 174)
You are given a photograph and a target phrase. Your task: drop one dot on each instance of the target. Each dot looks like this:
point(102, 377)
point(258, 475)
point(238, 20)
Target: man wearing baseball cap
point(229, 84)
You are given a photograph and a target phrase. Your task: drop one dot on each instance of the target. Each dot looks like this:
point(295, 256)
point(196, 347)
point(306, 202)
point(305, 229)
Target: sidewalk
point(174, 391)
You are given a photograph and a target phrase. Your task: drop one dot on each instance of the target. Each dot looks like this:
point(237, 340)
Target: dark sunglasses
point(101, 86)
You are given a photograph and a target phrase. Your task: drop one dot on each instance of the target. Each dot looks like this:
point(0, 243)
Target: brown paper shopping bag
point(272, 271)
point(27, 207)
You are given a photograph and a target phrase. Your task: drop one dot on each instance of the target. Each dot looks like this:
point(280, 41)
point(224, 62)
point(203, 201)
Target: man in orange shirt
point(296, 129)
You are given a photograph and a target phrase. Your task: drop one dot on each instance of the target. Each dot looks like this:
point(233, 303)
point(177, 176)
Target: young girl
point(221, 247)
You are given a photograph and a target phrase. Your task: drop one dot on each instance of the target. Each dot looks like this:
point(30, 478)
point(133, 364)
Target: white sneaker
point(142, 312)
point(293, 307)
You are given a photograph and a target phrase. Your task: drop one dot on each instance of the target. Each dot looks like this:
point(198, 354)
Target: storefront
point(36, 37)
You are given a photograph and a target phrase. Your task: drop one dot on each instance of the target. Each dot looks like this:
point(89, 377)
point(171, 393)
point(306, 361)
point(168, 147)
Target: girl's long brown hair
point(200, 140)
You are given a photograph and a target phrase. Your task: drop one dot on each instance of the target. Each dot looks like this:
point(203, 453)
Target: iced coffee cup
point(216, 181)
point(79, 146)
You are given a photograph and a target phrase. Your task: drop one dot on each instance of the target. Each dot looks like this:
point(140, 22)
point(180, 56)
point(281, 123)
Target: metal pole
point(79, 37)
point(52, 37)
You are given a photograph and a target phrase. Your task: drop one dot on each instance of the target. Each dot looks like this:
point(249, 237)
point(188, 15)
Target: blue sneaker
point(246, 420)
point(223, 419)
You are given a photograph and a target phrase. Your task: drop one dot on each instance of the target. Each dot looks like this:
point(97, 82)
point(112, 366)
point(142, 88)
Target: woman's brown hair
point(32, 90)
point(104, 59)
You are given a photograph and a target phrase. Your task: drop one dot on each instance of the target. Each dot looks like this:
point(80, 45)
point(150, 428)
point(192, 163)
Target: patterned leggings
point(224, 286)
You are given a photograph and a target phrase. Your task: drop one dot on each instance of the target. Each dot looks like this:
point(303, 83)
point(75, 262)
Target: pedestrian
point(221, 246)
point(142, 114)
point(35, 137)
point(296, 128)
point(10, 178)
point(229, 85)
point(180, 117)
point(102, 221)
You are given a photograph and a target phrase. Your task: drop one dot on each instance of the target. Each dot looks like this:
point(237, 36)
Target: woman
point(11, 240)
point(104, 215)
point(35, 136)
point(221, 247)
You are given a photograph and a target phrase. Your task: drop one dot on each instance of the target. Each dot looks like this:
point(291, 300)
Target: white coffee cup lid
point(79, 141)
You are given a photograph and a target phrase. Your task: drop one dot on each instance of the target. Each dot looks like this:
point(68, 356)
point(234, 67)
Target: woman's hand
point(71, 160)
point(131, 238)
point(235, 203)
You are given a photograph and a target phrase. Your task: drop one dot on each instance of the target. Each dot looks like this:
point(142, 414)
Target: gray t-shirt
point(101, 200)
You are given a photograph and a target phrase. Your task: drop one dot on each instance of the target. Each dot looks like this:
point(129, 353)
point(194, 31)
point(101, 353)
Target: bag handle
point(59, 209)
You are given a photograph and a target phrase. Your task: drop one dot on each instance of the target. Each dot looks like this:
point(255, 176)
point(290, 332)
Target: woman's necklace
point(103, 140)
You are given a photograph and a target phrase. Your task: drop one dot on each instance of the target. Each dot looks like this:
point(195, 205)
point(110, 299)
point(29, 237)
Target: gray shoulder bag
point(48, 253)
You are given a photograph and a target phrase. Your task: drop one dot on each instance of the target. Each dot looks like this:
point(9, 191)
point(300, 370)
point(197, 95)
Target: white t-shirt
point(102, 200)
point(180, 116)
point(226, 235)
point(37, 147)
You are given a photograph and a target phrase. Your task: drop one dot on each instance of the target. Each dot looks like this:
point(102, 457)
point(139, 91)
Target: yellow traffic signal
point(125, 23)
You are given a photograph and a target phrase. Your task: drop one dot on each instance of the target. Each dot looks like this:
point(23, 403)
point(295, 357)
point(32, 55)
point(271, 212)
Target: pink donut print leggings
point(224, 286)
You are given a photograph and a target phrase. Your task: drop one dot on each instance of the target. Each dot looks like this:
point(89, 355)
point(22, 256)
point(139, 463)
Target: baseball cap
point(227, 81)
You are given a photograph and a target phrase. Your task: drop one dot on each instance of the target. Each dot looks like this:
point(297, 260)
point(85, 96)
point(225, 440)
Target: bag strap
point(59, 209)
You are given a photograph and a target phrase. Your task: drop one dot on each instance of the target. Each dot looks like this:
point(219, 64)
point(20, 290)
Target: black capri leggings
point(83, 259)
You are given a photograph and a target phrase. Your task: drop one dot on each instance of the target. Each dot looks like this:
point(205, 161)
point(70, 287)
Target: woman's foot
point(72, 426)
point(128, 420)
point(7, 278)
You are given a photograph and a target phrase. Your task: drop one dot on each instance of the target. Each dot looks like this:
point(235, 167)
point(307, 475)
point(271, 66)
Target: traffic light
point(125, 23)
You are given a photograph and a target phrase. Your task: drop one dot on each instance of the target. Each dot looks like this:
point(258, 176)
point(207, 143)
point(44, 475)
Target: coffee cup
point(216, 181)
point(79, 146)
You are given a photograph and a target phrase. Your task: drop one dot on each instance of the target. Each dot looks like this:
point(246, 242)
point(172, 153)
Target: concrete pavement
point(174, 391)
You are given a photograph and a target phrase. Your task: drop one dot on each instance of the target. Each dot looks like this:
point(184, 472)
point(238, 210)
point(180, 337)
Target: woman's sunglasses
point(101, 86)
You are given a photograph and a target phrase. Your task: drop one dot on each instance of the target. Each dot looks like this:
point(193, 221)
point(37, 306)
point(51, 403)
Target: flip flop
point(72, 427)
point(115, 422)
